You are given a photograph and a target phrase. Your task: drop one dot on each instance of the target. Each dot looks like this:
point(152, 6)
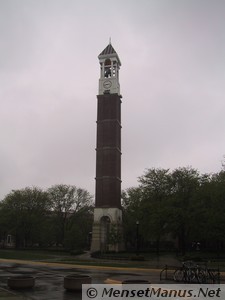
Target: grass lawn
point(64, 257)
point(29, 254)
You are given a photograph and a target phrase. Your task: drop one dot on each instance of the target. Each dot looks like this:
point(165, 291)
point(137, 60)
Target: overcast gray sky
point(172, 81)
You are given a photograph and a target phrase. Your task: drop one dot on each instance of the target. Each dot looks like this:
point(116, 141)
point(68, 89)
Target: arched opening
point(107, 71)
point(104, 232)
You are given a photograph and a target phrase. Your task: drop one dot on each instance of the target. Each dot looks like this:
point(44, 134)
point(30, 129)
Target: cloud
point(172, 82)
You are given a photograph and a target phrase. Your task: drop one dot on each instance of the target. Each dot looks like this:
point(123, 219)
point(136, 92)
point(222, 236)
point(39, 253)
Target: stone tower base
point(107, 234)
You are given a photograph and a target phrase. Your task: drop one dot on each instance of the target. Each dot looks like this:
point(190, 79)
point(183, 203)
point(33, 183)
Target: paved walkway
point(49, 277)
point(5, 294)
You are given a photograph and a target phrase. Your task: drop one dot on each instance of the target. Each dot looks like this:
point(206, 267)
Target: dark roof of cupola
point(108, 50)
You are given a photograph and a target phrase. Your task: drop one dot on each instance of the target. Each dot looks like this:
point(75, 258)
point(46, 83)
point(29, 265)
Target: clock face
point(107, 84)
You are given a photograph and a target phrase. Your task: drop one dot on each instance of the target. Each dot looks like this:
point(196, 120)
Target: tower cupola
point(109, 71)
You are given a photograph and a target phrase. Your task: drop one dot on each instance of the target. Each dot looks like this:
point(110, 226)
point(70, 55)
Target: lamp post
point(137, 238)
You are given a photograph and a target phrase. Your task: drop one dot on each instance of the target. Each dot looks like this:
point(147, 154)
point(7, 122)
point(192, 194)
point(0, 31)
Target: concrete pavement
point(49, 278)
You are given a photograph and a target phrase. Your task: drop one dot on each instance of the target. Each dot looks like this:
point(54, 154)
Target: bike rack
point(211, 275)
point(166, 272)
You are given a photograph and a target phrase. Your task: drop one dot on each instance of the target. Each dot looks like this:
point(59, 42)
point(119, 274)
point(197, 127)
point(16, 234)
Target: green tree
point(181, 204)
point(148, 204)
point(215, 211)
point(24, 213)
point(185, 184)
point(131, 204)
point(78, 230)
point(155, 185)
point(66, 201)
point(4, 231)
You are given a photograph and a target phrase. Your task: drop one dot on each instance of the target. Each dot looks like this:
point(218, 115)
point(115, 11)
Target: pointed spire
point(108, 52)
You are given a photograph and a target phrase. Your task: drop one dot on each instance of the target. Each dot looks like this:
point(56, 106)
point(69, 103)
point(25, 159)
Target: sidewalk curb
point(69, 266)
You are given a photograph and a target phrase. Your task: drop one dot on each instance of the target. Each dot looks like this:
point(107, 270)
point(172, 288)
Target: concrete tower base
point(107, 232)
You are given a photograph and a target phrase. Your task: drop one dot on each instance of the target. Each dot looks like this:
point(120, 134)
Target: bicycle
point(190, 273)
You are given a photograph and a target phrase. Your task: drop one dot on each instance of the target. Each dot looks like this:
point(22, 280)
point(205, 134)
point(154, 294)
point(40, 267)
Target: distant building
point(7, 242)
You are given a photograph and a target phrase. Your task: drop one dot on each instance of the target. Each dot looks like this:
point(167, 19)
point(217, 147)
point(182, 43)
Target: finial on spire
point(110, 40)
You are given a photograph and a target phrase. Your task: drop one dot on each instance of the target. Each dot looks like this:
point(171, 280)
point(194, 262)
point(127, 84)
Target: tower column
point(107, 226)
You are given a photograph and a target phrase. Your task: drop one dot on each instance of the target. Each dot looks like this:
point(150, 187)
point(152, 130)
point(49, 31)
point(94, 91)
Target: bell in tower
point(107, 212)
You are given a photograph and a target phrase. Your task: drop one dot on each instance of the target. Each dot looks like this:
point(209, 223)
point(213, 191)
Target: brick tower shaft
point(108, 151)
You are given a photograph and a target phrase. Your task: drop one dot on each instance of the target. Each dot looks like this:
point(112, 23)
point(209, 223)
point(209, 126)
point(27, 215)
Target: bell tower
point(107, 226)
point(109, 71)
